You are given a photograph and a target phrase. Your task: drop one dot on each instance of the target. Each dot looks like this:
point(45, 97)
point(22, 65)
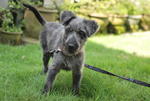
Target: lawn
point(126, 55)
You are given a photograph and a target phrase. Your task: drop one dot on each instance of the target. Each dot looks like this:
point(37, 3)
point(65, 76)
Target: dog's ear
point(91, 27)
point(66, 17)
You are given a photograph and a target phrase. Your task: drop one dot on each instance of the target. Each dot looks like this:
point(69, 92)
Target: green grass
point(20, 68)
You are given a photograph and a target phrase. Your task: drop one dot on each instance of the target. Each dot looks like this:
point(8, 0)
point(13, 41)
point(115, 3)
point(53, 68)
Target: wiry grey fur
point(70, 36)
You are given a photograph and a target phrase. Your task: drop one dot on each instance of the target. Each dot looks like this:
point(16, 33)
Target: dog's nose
point(71, 46)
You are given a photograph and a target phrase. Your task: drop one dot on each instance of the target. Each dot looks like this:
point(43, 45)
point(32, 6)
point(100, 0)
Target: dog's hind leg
point(46, 54)
point(46, 57)
point(53, 70)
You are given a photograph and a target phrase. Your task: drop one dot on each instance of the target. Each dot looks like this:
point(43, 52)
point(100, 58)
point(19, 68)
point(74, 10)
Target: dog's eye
point(82, 34)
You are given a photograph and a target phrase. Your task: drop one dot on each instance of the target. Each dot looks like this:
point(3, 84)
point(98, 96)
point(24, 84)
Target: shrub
point(130, 7)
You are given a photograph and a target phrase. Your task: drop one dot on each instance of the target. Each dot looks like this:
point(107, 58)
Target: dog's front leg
point(53, 70)
point(77, 75)
point(50, 78)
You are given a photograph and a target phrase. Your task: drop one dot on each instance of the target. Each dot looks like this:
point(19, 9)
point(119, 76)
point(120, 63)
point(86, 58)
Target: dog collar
point(54, 51)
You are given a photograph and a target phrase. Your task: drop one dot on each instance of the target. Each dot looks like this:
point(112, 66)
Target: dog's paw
point(44, 91)
point(75, 92)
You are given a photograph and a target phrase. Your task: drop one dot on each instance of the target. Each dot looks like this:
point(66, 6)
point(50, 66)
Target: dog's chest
point(70, 63)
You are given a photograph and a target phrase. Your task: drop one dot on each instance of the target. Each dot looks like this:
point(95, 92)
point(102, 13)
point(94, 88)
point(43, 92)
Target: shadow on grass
point(116, 61)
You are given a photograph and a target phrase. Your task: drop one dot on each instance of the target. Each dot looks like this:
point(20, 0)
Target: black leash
point(121, 77)
point(108, 73)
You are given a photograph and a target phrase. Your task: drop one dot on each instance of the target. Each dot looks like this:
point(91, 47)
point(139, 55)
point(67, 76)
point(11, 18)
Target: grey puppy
point(69, 36)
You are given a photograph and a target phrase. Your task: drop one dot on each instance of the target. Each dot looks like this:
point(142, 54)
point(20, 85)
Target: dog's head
point(77, 30)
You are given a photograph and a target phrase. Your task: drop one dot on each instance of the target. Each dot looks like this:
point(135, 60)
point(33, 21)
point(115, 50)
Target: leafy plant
point(33, 2)
point(11, 21)
point(8, 19)
point(8, 24)
point(130, 7)
point(14, 5)
point(1, 16)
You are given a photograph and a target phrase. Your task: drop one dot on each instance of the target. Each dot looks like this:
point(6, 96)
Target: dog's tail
point(36, 13)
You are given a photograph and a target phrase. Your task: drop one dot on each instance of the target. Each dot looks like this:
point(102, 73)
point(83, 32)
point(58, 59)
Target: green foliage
point(14, 5)
point(130, 7)
point(2, 9)
point(33, 2)
point(8, 20)
point(8, 24)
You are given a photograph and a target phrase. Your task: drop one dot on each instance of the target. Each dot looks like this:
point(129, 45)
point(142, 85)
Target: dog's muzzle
point(72, 48)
